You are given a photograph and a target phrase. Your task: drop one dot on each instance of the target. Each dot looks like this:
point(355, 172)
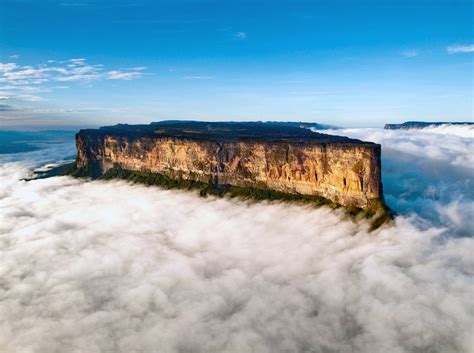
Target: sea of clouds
point(463, 130)
point(427, 174)
point(95, 266)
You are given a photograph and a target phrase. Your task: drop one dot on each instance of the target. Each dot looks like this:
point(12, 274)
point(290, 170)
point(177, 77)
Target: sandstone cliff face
point(346, 173)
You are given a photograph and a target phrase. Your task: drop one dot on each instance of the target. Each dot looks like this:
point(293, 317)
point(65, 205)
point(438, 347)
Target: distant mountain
point(422, 124)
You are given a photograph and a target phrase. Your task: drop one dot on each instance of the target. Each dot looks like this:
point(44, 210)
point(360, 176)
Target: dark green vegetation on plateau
point(222, 131)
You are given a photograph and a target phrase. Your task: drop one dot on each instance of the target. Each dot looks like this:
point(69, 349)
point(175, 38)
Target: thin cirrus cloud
point(411, 53)
point(19, 81)
point(452, 49)
point(198, 77)
point(23, 93)
point(120, 75)
point(7, 67)
point(240, 35)
point(6, 107)
point(456, 49)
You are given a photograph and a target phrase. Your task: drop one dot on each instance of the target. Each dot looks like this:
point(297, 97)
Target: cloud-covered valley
point(93, 266)
point(427, 173)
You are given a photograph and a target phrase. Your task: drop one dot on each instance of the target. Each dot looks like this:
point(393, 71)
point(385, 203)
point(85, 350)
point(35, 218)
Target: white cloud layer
point(458, 130)
point(113, 267)
point(427, 172)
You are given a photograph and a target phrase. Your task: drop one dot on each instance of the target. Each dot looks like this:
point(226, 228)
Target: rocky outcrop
point(259, 155)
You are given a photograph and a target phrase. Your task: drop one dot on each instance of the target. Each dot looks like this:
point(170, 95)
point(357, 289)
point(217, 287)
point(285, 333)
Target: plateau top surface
point(223, 132)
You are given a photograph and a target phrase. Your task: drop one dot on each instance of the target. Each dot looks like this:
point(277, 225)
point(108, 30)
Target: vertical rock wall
point(346, 173)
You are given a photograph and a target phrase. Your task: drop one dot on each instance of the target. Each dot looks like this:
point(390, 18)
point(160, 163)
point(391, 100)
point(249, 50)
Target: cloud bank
point(427, 173)
point(114, 267)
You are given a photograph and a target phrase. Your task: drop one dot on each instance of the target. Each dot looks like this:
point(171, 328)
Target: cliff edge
point(264, 156)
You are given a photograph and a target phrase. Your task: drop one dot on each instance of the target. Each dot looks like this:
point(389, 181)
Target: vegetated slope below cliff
point(260, 160)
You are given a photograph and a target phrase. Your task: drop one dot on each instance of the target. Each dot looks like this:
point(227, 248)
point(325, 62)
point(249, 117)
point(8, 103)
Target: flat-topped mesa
point(258, 155)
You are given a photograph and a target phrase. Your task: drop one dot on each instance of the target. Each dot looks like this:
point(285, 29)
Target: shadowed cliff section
point(248, 159)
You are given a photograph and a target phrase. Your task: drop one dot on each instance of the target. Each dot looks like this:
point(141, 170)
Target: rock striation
point(267, 156)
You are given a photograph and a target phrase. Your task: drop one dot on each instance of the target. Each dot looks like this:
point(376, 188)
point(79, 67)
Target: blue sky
point(73, 63)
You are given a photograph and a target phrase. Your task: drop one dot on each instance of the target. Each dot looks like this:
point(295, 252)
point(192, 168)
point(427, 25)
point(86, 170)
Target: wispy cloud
point(7, 67)
point(198, 77)
point(122, 75)
point(6, 107)
point(138, 68)
point(21, 82)
point(23, 93)
point(455, 49)
point(240, 35)
point(410, 53)
point(73, 4)
point(78, 77)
